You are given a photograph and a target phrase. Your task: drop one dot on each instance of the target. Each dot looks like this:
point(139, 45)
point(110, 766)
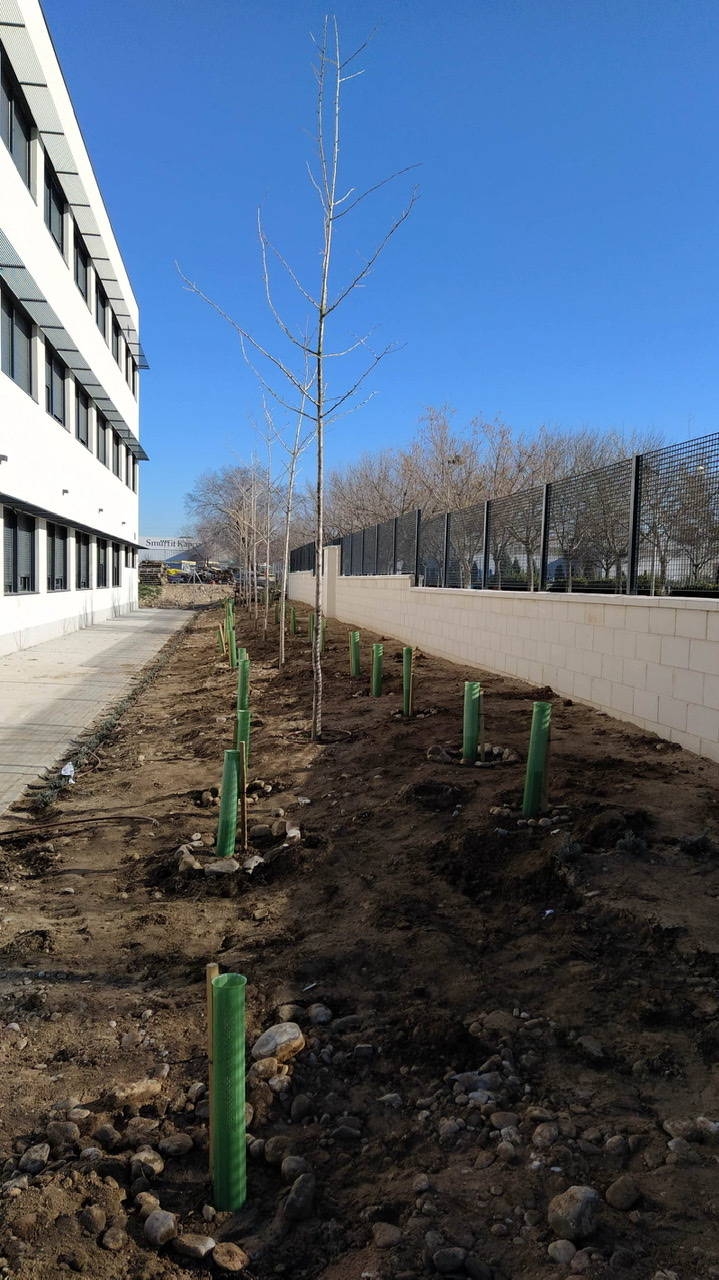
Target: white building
point(69, 358)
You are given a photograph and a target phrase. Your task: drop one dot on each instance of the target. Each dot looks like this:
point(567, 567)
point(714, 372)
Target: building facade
point(69, 360)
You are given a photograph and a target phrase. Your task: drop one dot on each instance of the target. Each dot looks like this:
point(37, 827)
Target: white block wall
point(653, 662)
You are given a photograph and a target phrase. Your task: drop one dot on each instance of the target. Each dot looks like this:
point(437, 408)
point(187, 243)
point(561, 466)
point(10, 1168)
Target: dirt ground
point(573, 966)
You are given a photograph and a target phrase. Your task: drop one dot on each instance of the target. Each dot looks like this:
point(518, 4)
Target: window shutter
point(82, 416)
point(22, 352)
point(58, 391)
point(25, 553)
point(21, 142)
point(6, 336)
point(9, 541)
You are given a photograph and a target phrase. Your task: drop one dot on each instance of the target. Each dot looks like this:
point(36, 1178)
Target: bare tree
point(313, 397)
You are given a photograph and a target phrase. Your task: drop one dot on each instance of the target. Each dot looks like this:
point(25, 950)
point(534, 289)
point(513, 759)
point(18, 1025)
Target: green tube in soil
point(377, 655)
point(233, 647)
point(220, 641)
point(536, 760)
point(354, 653)
point(311, 628)
point(241, 654)
point(243, 732)
point(227, 825)
point(407, 680)
point(227, 1103)
point(277, 612)
point(293, 621)
point(243, 684)
point(470, 732)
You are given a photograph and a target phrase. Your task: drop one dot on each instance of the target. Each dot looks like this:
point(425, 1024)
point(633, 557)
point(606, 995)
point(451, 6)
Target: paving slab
point(53, 691)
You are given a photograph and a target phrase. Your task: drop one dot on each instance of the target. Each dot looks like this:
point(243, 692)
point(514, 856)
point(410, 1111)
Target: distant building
point(69, 359)
point(171, 550)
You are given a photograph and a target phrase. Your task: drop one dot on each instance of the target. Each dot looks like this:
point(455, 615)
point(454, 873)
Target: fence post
point(544, 537)
point(485, 542)
point(376, 552)
point(635, 509)
point(445, 560)
point(417, 524)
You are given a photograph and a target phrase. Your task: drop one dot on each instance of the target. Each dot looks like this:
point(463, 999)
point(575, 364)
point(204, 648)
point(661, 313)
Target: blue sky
point(560, 265)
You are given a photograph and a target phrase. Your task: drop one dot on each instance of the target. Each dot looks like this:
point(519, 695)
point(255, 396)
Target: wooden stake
point(211, 971)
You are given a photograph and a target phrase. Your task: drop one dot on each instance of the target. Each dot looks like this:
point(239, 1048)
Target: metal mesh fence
point(369, 550)
point(650, 525)
point(465, 549)
point(430, 559)
point(514, 537)
point(385, 547)
point(679, 520)
point(357, 551)
point(588, 541)
point(406, 542)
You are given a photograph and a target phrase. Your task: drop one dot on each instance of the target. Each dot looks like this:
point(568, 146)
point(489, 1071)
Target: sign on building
point(165, 548)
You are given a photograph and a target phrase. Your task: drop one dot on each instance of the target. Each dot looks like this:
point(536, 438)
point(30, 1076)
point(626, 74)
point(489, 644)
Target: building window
point(82, 560)
point(101, 309)
point(56, 557)
point(82, 417)
point(18, 553)
point(54, 385)
point(102, 562)
point(15, 127)
point(54, 208)
point(115, 340)
point(131, 373)
point(128, 557)
point(115, 564)
point(101, 430)
point(116, 454)
point(16, 344)
point(128, 468)
point(82, 267)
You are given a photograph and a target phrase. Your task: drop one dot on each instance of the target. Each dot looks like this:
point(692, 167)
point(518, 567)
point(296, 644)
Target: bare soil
point(579, 960)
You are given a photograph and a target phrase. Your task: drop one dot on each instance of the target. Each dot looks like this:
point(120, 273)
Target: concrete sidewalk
point(51, 692)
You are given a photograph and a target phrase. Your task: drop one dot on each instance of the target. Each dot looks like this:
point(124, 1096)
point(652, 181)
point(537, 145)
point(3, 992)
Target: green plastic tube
point(377, 655)
point(220, 641)
point(311, 628)
point(227, 1103)
point(277, 612)
point(471, 720)
point(243, 684)
point(227, 824)
point(481, 724)
point(243, 732)
point(407, 680)
point(354, 653)
point(233, 647)
point(534, 784)
point(241, 653)
point(293, 620)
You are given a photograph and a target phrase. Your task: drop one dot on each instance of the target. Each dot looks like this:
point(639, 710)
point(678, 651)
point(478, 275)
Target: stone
point(561, 1251)
point(146, 1204)
point(617, 1147)
point(573, 1214)
point(93, 1219)
point(107, 1136)
point(590, 1047)
point(193, 1245)
point(279, 828)
point(623, 1193)
point(229, 1257)
point(484, 1159)
point(221, 867)
point(448, 1260)
point(363, 1051)
point(114, 1239)
point(160, 1227)
point(177, 1144)
point(146, 1162)
point(35, 1158)
point(298, 1204)
point(293, 1167)
point(421, 1183)
point(137, 1094)
point(282, 1042)
point(264, 1069)
point(684, 1128)
point(61, 1131)
point(683, 1151)
point(276, 1149)
point(393, 1100)
point(476, 1269)
point(188, 863)
point(196, 1091)
point(386, 1235)
point(302, 1108)
point(503, 1119)
point(319, 1014)
point(506, 1152)
point(544, 1135)
point(260, 833)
